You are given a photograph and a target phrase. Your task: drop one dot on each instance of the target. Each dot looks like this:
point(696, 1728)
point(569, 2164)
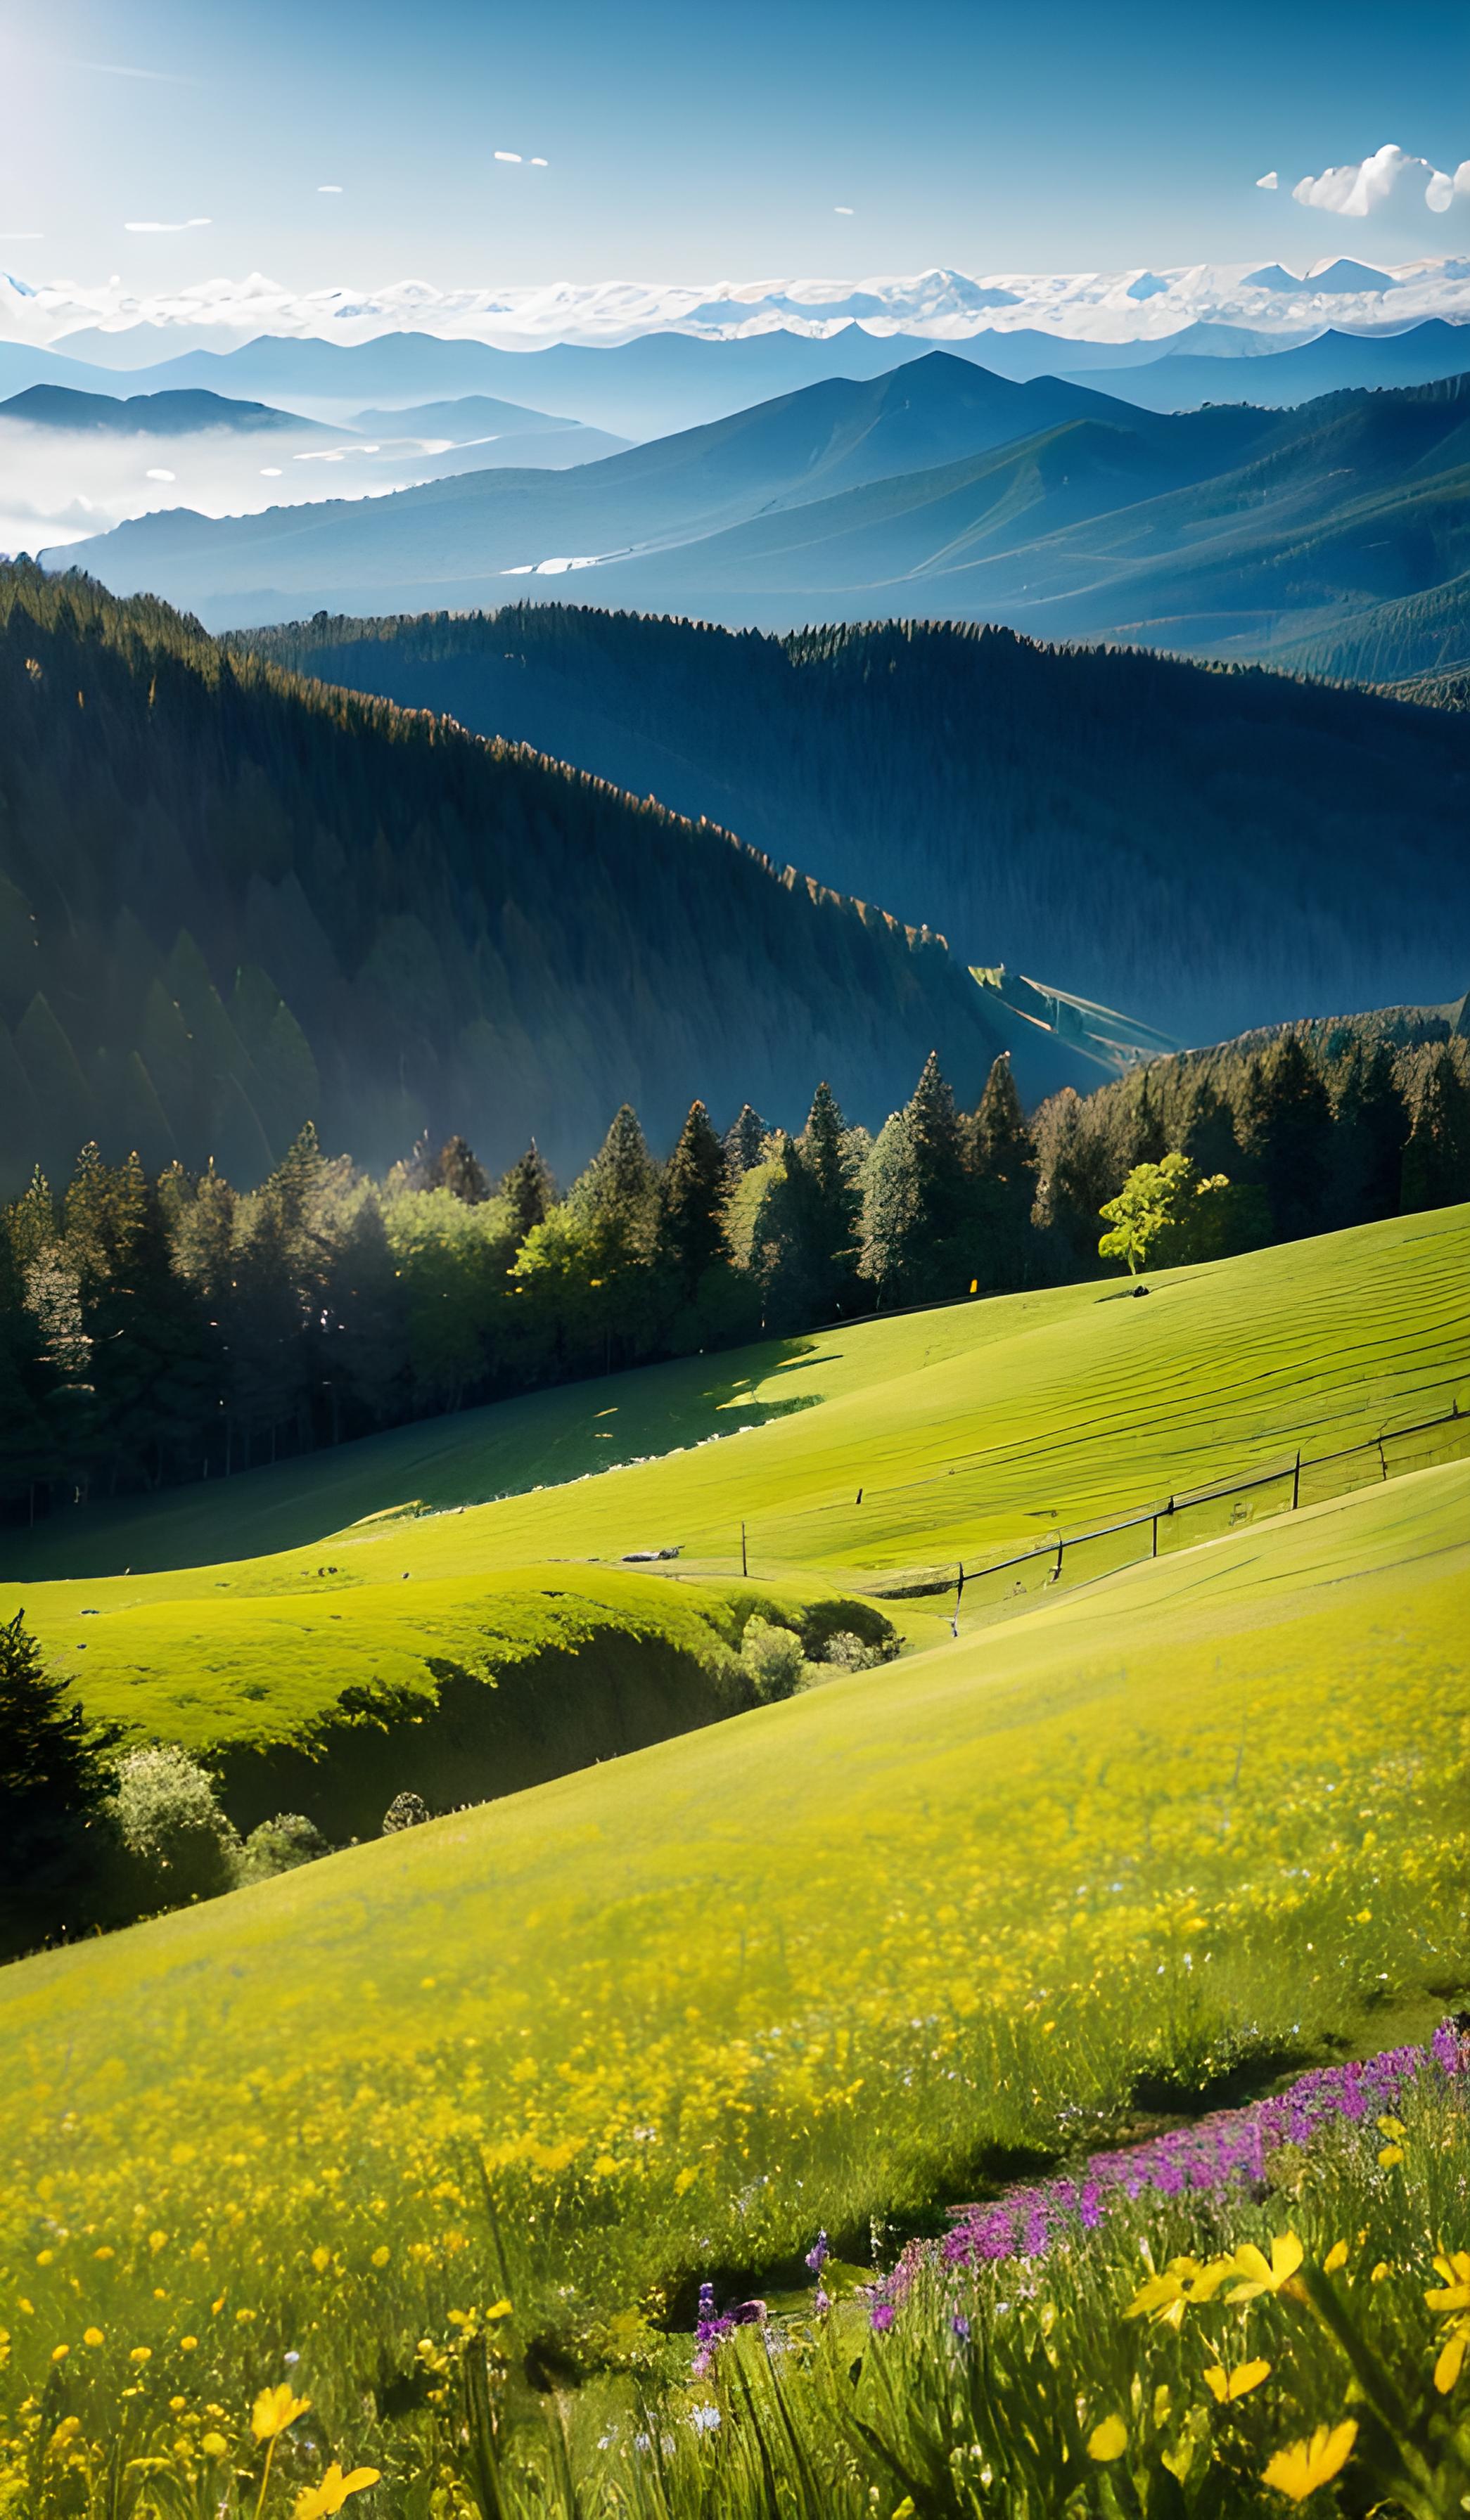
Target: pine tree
point(1286, 1136)
point(1437, 1157)
point(745, 1142)
point(530, 1190)
point(1003, 1165)
point(458, 1170)
point(55, 1778)
point(789, 1258)
point(695, 1184)
point(1149, 1138)
point(1207, 1130)
point(892, 1213)
point(836, 1198)
point(1370, 1125)
point(1077, 1173)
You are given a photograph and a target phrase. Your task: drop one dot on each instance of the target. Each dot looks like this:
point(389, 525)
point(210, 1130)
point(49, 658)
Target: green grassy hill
point(835, 1957)
point(971, 1430)
point(331, 1701)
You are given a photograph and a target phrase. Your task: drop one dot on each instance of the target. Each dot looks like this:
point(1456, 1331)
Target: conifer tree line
point(158, 1328)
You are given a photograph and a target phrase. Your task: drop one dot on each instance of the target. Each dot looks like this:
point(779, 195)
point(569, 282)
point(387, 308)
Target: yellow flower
point(1455, 2340)
point(59, 2352)
point(141, 2354)
point(275, 2408)
point(1109, 2440)
point(1455, 2271)
point(1391, 2153)
point(1259, 2277)
point(1226, 2386)
point(318, 2501)
point(91, 2336)
point(187, 2344)
point(381, 2257)
point(213, 2444)
point(1336, 2258)
point(1184, 2284)
point(1301, 2468)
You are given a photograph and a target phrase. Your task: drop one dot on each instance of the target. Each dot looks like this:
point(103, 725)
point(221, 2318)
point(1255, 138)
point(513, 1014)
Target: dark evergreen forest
point(233, 902)
point(1206, 848)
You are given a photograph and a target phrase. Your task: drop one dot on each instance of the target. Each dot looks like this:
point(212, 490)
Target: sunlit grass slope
point(801, 1966)
point(454, 1690)
point(968, 1430)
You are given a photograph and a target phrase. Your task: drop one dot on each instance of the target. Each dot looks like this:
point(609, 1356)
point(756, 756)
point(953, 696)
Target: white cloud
point(122, 70)
point(508, 158)
point(538, 161)
point(163, 227)
point(157, 473)
point(20, 235)
point(1354, 190)
point(839, 211)
point(1267, 183)
point(1444, 190)
point(328, 187)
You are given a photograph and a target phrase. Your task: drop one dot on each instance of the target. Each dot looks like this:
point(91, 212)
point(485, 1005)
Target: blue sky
point(704, 140)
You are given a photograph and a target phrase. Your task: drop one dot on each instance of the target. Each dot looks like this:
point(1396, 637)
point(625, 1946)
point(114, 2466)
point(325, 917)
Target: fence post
point(1296, 1482)
point(1155, 1550)
point(744, 1568)
point(1381, 1464)
point(1056, 1574)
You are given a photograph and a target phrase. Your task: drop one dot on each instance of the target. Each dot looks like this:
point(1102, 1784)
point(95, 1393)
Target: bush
point(849, 1652)
point(773, 1660)
point(405, 1811)
point(280, 1845)
point(168, 1820)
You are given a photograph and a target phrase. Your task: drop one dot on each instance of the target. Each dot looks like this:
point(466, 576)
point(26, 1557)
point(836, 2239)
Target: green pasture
point(971, 1428)
point(829, 1959)
point(331, 1700)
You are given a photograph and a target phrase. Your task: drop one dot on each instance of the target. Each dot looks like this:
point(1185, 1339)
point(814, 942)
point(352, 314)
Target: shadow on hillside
point(464, 1457)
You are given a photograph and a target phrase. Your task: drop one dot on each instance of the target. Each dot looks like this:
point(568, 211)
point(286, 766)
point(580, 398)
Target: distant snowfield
point(939, 305)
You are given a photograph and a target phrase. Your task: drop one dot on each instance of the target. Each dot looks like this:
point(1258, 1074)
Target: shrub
point(405, 1811)
point(169, 1820)
point(773, 1660)
point(279, 1845)
point(849, 1652)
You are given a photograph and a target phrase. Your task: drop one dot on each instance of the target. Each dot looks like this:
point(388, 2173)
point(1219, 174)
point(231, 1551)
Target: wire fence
point(1183, 1520)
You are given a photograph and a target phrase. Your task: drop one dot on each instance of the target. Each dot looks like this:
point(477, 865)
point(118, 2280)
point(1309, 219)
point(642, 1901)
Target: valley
point(734, 1244)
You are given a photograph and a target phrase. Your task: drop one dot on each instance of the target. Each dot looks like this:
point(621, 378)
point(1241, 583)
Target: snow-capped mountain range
point(941, 306)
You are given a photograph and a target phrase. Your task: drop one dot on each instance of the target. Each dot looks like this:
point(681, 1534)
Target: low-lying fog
point(60, 485)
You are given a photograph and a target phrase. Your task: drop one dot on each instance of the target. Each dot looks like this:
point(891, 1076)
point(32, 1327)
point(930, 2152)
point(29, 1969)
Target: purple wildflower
point(883, 2317)
point(961, 2326)
point(1218, 2153)
point(818, 2254)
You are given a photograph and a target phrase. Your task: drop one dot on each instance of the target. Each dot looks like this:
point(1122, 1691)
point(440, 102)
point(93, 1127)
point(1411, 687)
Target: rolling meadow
point(452, 2136)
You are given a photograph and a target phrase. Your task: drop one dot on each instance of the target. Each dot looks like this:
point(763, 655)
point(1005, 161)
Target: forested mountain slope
point(936, 490)
point(231, 902)
point(1208, 847)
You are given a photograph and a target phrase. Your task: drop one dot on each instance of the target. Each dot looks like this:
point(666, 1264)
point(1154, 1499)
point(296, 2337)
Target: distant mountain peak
point(1350, 279)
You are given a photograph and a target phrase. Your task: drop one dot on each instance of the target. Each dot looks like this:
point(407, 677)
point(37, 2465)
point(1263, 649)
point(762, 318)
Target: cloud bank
point(163, 227)
point(1355, 191)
